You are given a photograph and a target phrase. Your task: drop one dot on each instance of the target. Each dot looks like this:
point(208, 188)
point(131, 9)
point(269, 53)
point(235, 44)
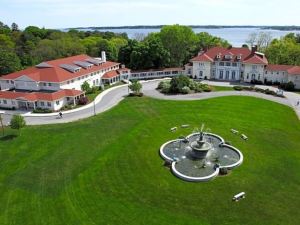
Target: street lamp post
point(1, 122)
point(94, 108)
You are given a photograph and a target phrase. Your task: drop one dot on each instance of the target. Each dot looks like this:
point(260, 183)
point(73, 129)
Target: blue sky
point(74, 13)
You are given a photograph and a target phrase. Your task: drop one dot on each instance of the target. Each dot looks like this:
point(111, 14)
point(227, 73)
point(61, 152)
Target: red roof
point(35, 96)
point(202, 58)
point(293, 70)
point(110, 74)
point(246, 55)
point(256, 59)
point(57, 74)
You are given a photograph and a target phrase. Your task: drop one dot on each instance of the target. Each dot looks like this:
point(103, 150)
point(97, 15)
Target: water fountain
point(200, 156)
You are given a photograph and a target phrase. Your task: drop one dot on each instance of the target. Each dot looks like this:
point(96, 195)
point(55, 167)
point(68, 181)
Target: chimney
point(201, 52)
point(122, 66)
point(103, 56)
point(254, 49)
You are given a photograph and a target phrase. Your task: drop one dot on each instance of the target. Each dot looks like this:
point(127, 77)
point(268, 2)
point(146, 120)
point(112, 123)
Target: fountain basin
point(194, 161)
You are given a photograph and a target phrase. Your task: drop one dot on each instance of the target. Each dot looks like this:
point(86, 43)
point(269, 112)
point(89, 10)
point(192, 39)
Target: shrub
point(162, 84)
point(185, 90)
point(268, 82)
point(289, 86)
point(133, 94)
point(238, 88)
point(198, 87)
point(224, 171)
point(67, 107)
point(277, 83)
point(248, 88)
point(166, 88)
point(259, 90)
point(17, 122)
point(206, 88)
point(41, 110)
point(178, 82)
point(83, 101)
point(269, 92)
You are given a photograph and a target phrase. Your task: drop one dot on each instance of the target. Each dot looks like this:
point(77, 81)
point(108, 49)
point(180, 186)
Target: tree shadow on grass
point(8, 137)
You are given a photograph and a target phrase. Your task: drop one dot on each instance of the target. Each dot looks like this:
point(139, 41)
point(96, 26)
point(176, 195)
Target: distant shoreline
point(281, 28)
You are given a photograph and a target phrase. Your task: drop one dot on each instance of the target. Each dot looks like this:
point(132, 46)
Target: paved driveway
point(114, 96)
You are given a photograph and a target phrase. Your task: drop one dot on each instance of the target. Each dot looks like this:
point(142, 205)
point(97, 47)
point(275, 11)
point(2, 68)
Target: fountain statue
point(200, 147)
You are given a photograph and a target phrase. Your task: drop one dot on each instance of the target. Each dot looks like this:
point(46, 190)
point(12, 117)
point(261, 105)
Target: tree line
point(172, 46)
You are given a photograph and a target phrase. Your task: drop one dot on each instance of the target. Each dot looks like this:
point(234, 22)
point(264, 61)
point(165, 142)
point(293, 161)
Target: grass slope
point(106, 169)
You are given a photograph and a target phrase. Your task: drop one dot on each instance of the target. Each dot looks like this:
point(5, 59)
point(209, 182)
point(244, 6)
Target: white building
point(53, 84)
point(239, 64)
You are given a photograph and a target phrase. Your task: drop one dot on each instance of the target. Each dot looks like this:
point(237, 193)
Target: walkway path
point(113, 96)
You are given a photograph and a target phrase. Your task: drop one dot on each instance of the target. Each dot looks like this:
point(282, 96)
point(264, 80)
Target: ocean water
point(236, 36)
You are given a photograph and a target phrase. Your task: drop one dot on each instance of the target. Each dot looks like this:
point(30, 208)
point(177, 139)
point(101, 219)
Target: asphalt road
point(114, 96)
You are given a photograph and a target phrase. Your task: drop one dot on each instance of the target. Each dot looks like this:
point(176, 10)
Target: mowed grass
point(221, 88)
point(107, 170)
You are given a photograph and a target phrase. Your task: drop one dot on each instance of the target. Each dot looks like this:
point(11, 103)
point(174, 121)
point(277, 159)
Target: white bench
point(173, 129)
point(185, 125)
point(244, 137)
point(234, 131)
point(239, 196)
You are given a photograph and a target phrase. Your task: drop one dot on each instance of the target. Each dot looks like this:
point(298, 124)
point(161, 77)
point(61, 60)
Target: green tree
point(17, 122)
point(206, 41)
point(136, 87)
point(179, 41)
point(9, 62)
point(85, 86)
point(284, 51)
point(14, 27)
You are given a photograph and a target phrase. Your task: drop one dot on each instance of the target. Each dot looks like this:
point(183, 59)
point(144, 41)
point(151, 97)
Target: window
point(247, 75)
point(213, 73)
point(42, 104)
point(234, 64)
point(72, 81)
point(201, 73)
point(68, 98)
point(49, 104)
point(254, 67)
point(189, 71)
point(49, 84)
point(227, 75)
point(7, 81)
point(13, 102)
point(4, 101)
point(258, 77)
point(233, 75)
point(221, 74)
point(253, 77)
point(57, 102)
point(0, 101)
point(44, 84)
point(228, 64)
point(68, 82)
point(221, 64)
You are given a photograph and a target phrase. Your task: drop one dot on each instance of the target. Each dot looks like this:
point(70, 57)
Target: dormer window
point(239, 57)
point(219, 56)
point(228, 56)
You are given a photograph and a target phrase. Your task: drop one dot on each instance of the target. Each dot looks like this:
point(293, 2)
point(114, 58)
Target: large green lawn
point(107, 170)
